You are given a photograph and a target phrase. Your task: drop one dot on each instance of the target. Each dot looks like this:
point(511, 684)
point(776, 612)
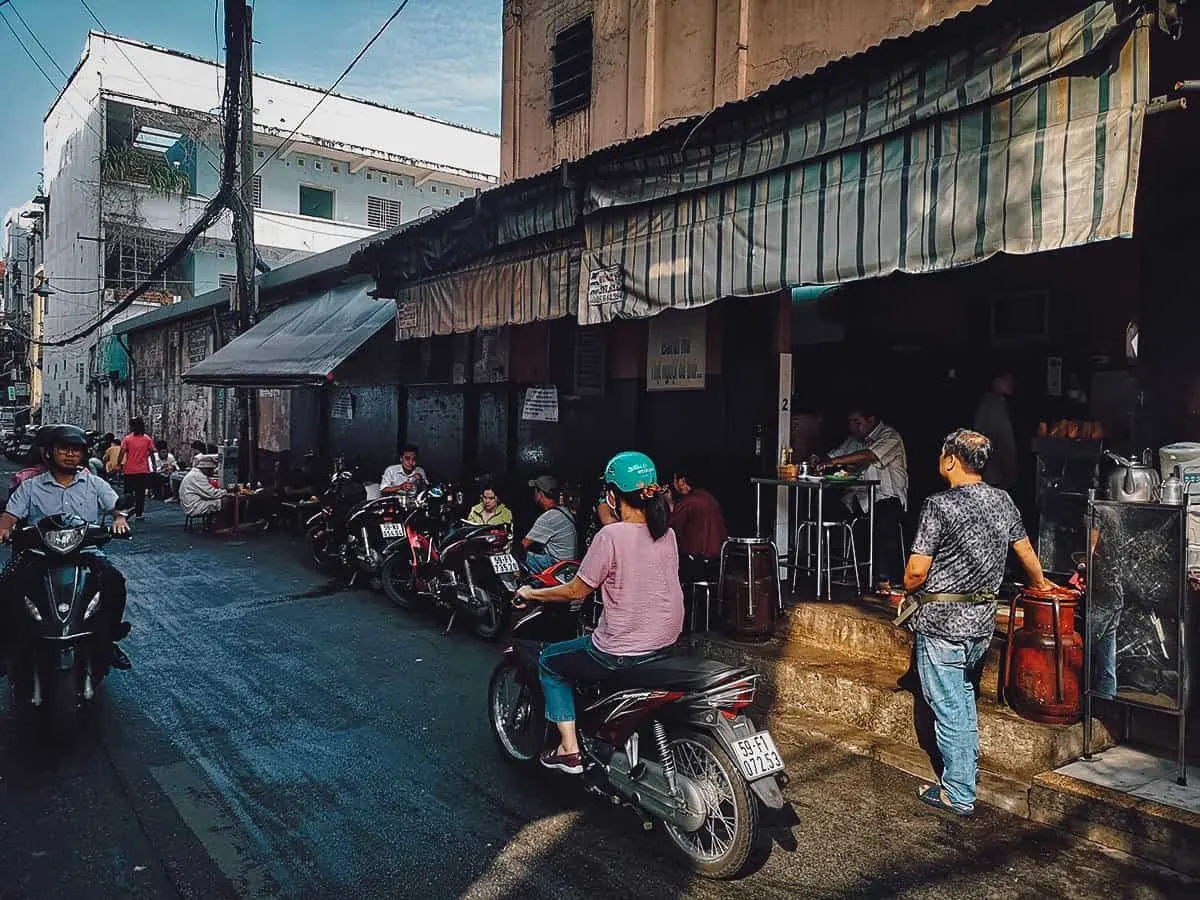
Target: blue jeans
point(561, 665)
point(1104, 651)
point(948, 669)
point(538, 562)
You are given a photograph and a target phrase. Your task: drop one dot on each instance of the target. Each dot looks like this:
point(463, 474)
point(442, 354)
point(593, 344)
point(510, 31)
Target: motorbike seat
point(677, 673)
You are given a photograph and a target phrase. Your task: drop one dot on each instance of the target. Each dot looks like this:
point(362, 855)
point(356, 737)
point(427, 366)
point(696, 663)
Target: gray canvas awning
point(298, 345)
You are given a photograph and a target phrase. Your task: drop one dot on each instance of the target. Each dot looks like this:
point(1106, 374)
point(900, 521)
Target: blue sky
point(440, 57)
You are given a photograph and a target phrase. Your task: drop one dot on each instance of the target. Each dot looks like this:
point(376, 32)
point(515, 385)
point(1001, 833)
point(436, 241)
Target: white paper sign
point(606, 286)
point(541, 404)
point(406, 315)
point(676, 351)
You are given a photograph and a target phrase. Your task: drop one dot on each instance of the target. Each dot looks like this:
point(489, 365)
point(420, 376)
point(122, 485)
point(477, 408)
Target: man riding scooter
point(66, 489)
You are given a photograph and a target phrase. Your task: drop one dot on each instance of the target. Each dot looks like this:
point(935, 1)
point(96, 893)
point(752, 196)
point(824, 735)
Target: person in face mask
point(634, 562)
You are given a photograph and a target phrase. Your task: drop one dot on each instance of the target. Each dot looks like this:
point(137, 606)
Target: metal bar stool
point(849, 558)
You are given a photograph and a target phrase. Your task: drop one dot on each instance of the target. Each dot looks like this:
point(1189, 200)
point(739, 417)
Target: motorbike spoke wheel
point(318, 543)
point(492, 622)
point(720, 847)
point(515, 712)
point(397, 577)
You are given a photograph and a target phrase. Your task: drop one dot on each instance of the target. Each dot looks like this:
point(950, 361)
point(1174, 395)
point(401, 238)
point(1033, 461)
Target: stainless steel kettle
point(1132, 481)
point(1173, 490)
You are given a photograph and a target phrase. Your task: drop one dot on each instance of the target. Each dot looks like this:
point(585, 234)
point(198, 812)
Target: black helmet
point(51, 436)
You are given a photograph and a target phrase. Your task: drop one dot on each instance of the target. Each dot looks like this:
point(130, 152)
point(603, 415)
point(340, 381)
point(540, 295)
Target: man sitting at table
point(198, 497)
point(698, 524)
point(878, 450)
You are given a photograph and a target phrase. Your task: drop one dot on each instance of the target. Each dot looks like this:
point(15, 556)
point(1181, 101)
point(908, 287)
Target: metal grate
point(382, 212)
point(256, 191)
point(571, 70)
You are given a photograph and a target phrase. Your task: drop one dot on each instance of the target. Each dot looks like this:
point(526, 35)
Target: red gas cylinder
point(1043, 670)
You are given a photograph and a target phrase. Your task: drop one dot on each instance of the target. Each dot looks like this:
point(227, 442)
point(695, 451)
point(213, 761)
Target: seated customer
point(197, 495)
point(489, 510)
point(164, 465)
point(699, 526)
point(553, 537)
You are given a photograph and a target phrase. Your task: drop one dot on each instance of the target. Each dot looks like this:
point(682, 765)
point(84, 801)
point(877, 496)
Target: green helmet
point(630, 471)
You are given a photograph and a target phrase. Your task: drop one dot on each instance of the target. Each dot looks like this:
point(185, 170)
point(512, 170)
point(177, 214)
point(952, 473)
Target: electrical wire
point(121, 49)
point(38, 66)
point(37, 40)
point(330, 90)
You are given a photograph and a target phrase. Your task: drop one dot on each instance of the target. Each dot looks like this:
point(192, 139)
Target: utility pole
point(239, 29)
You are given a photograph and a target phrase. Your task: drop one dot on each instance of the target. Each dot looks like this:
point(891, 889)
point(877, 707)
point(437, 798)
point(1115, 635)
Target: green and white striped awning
point(1017, 143)
point(538, 281)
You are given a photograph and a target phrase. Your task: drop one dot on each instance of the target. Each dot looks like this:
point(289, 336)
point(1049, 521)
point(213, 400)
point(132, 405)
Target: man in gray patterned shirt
point(954, 572)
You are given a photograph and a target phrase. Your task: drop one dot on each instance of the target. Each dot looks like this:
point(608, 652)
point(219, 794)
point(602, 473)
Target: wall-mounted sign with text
point(541, 404)
point(676, 351)
point(606, 286)
point(406, 315)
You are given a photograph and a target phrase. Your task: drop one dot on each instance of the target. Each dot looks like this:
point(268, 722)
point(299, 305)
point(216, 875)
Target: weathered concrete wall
point(656, 60)
point(177, 412)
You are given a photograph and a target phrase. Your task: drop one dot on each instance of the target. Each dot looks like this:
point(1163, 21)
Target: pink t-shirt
point(639, 580)
point(138, 448)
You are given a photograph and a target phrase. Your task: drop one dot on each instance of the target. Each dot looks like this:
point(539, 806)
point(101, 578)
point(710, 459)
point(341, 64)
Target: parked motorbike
point(440, 562)
point(351, 531)
point(708, 767)
point(55, 660)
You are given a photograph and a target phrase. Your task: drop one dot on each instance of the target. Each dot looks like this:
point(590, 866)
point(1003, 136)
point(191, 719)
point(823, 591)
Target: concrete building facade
point(580, 75)
point(132, 154)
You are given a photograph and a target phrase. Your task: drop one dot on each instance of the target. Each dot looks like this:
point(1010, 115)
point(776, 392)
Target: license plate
point(391, 529)
point(505, 564)
point(757, 756)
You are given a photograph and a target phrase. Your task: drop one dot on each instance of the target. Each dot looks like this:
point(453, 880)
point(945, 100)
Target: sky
point(439, 57)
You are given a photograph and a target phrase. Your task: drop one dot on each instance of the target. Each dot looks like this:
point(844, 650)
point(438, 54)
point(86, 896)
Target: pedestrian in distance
point(135, 461)
point(952, 580)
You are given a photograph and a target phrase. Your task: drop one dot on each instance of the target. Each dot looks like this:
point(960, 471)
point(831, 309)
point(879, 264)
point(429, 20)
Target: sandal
point(932, 795)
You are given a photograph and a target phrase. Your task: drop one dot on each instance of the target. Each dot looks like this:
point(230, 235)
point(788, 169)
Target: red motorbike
point(707, 768)
point(436, 561)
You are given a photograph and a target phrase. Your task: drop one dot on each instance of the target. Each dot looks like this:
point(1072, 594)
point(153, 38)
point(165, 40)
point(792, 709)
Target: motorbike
point(438, 561)
point(708, 768)
point(352, 530)
point(55, 660)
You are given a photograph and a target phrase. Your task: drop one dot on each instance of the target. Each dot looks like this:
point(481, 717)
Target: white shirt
point(395, 476)
point(197, 495)
point(890, 468)
point(164, 465)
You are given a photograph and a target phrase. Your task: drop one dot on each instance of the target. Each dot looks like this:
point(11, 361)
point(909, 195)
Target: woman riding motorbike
point(635, 563)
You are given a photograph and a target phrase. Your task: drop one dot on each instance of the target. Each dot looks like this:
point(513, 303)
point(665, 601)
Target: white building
point(132, 152)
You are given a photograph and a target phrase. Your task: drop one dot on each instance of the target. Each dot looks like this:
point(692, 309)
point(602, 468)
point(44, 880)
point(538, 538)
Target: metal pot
point(1132, 482)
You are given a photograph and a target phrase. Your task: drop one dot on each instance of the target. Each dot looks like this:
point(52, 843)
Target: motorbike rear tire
point(533, 724)
point(318, 545)
point(396, 575)
point(693, 750)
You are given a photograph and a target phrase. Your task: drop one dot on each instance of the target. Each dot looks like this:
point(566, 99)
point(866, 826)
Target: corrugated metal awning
point(1019, 140)
point(298, 345)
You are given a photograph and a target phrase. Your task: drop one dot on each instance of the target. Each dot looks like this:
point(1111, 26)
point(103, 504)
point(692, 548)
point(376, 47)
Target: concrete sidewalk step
point(862, 694)
point(1002, 790)
point(864, 630)
point(1142, 828)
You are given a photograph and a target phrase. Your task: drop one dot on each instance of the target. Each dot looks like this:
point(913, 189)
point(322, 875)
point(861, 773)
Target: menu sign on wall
point(541, 404)
point(606, 286)
point(676, 351)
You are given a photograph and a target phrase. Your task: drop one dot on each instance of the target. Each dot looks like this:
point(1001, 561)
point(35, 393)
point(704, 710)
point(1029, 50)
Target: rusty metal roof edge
point(365, 259)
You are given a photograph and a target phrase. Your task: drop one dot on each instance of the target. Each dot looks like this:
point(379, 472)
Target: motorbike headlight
point(32, 610)
point(92, 607)
point(64, 541)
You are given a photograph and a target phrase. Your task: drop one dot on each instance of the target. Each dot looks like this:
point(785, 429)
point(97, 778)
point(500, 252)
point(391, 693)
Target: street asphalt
point(280, 736)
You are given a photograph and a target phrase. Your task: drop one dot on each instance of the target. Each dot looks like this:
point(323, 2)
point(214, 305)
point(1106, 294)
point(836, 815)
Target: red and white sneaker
point(570, 763)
